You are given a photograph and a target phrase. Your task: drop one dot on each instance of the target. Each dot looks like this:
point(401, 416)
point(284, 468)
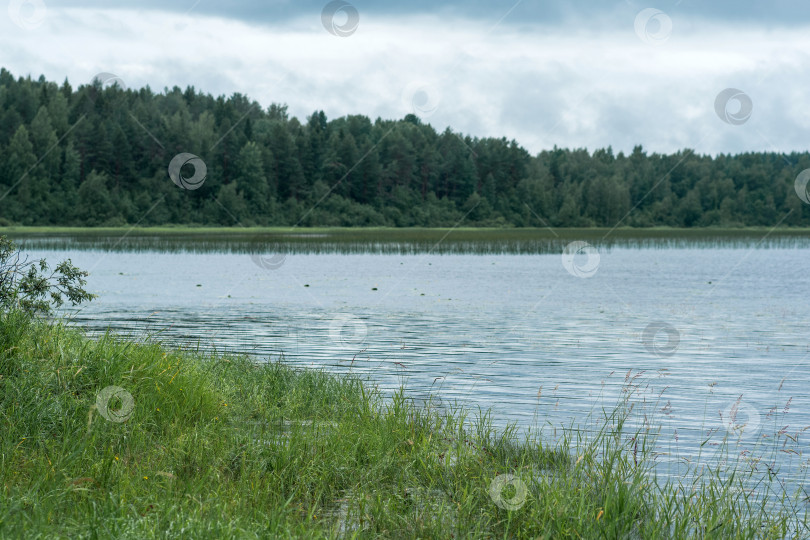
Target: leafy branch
point(33, 287)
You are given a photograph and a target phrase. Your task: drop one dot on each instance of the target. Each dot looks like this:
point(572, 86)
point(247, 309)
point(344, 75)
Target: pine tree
point(252, 181)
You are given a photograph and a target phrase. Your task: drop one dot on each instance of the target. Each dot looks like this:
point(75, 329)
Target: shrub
point(33, 287)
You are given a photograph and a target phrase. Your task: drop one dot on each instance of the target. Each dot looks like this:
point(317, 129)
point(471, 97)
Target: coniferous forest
point(98, 155)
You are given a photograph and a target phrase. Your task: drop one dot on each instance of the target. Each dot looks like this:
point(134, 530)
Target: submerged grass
point(218, 446)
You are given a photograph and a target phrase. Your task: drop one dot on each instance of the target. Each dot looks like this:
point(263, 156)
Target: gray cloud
point(778, 12)
point(587, 82)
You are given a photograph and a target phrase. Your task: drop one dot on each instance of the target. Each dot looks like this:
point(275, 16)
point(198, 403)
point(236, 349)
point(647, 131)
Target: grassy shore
point(190, 446)
point(394, 232)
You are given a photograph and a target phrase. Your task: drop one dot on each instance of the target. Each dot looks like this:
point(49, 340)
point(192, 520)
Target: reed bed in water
point(394, 241)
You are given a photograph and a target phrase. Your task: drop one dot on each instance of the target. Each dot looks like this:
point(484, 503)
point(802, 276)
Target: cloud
point(590, 82)
point(779, 12)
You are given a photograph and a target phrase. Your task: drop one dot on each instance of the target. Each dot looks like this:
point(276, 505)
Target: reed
point(393, 241)
point(222, 446)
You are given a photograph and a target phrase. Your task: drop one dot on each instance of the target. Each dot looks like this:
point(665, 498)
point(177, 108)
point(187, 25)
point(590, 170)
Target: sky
point(713, 77)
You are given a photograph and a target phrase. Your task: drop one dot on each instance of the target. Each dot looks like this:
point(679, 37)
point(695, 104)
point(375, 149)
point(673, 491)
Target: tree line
point(98, 155)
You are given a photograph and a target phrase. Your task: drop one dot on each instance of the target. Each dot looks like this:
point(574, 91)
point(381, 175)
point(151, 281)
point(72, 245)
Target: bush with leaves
point(33, 287)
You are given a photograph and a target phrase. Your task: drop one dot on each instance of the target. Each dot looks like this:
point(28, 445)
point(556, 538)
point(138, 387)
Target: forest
point(98, 155)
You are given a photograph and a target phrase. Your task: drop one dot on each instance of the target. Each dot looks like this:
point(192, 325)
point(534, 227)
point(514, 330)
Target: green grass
point(191, 229)
point(224, 447)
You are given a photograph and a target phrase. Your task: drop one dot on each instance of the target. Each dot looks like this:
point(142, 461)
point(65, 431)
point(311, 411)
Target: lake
point(718, 327)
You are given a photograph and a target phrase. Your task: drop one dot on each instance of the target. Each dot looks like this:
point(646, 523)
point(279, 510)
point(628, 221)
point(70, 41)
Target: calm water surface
point(515, 333)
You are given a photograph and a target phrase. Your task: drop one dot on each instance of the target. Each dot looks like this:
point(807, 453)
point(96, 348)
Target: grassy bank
point(222, 447)
point(402, 232)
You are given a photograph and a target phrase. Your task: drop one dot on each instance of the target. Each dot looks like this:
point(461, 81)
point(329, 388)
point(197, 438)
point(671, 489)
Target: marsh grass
point(404, 241)
point(220, 446)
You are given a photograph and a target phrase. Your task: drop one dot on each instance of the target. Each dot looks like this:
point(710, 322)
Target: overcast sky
point(572, 74)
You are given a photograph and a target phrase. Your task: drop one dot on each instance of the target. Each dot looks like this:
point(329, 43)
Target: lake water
point(518, 334)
